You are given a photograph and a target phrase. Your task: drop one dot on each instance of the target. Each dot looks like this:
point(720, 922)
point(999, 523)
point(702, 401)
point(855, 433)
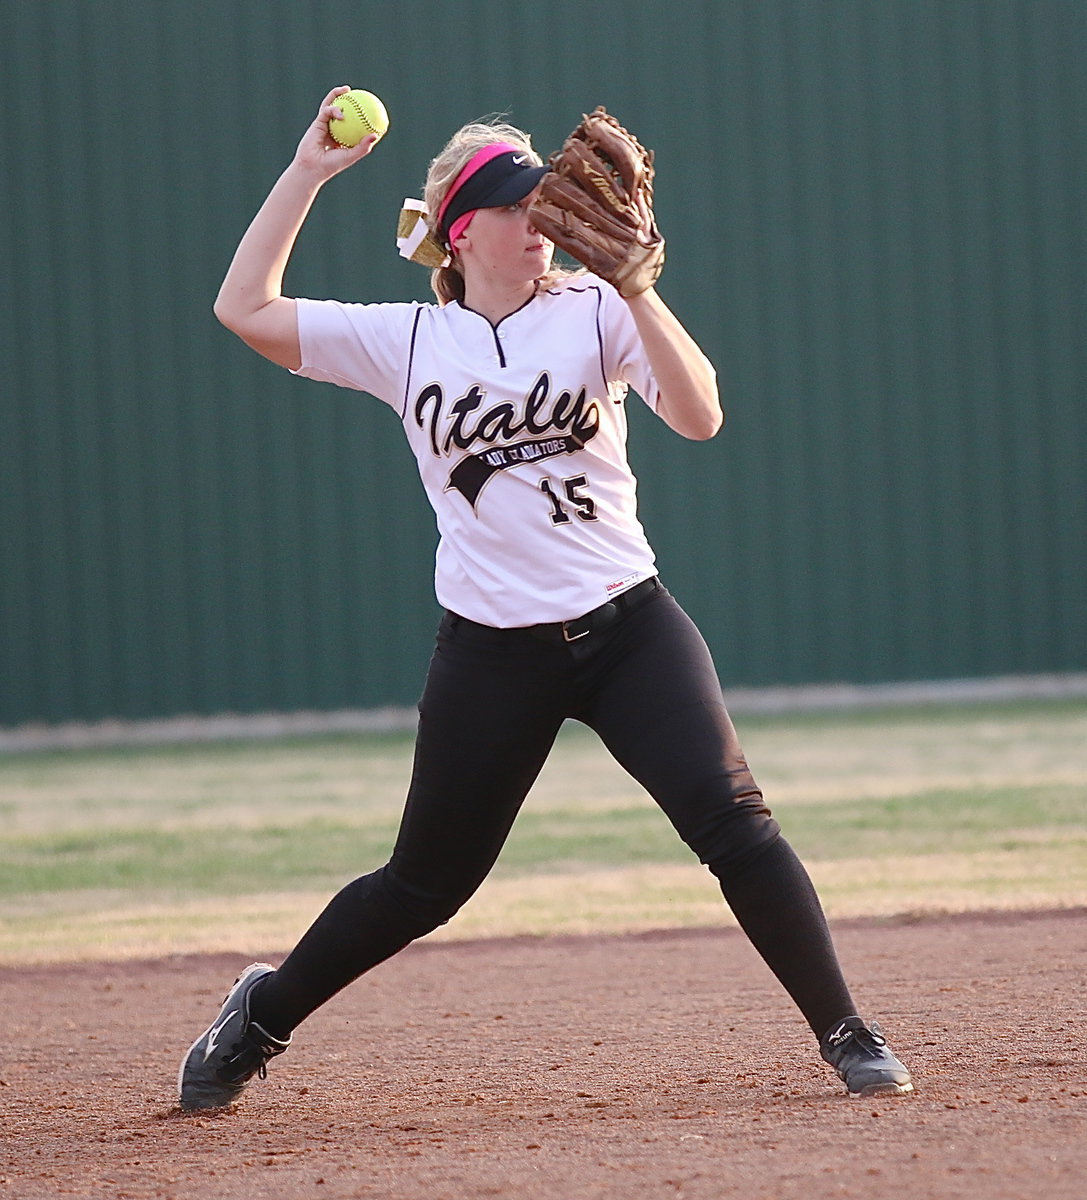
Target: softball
point(363, 114)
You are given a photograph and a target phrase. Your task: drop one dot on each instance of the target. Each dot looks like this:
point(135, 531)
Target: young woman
point(511, 391)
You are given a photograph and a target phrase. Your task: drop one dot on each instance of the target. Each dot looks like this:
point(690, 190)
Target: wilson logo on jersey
point(570, 420)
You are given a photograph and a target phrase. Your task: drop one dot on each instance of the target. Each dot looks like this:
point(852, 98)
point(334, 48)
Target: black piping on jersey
point(497, 341)
point(411, 361)
point(591, 287)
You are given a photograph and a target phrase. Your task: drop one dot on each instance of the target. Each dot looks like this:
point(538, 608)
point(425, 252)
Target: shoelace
point(240, 1060)
point(870, 1037)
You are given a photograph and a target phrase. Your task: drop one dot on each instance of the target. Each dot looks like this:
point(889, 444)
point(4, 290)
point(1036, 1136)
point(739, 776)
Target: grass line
point(312, 853)
point(103, 852)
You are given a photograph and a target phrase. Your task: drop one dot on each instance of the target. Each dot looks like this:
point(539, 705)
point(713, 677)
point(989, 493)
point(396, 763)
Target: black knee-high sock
point(776, 905)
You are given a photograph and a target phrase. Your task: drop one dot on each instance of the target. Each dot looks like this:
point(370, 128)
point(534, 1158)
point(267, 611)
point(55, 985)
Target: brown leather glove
point(596, 203)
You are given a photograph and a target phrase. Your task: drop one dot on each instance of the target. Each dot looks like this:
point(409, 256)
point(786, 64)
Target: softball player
point(511, 392)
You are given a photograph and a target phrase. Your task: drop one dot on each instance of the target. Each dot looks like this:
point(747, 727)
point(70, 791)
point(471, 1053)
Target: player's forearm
point(689, 400)
point(251, 300)
point(255, 276)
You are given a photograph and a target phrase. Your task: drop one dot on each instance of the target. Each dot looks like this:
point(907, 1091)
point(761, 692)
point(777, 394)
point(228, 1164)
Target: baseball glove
point(596, 203)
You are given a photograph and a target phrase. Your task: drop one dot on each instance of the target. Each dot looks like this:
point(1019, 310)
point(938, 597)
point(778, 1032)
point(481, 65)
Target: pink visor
point(497, 175)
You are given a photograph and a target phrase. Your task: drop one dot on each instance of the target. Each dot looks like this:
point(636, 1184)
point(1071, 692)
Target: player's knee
point(745, 846)
point(419, 908)
point(731, 825)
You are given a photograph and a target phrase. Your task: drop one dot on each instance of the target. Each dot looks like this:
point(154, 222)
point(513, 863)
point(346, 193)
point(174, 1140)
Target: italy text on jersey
point(559, 425)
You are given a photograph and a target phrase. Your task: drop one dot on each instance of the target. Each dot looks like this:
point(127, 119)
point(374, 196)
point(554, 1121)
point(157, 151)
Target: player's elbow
point(709, 426)
point(223, 313)
point(239, 311)
point(227, 314)
point(698, 422)
point(271, 330)
point(697, 404)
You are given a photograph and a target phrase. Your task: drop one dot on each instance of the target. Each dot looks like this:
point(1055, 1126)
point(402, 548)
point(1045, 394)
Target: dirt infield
point(654, 1065)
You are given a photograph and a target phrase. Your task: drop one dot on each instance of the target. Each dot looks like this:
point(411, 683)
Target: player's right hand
point(320, 153)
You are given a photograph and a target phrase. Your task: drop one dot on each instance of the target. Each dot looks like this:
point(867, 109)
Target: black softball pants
point(491, 709)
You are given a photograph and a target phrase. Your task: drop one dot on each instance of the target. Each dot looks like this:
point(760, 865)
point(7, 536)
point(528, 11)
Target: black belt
point(596, 619)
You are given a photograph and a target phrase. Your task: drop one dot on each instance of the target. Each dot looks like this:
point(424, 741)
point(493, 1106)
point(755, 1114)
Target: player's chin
point(541, 253)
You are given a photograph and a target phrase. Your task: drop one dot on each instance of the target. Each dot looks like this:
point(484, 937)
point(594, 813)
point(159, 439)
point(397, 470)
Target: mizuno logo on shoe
point(213, 1034)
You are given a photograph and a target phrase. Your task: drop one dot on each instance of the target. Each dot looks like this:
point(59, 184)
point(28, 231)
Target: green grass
point(235, 860)
point(894, 810)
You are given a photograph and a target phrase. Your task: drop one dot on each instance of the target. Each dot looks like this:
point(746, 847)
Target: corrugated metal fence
point(875, 216)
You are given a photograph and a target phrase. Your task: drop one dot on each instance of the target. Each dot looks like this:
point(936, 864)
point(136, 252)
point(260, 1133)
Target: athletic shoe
point(223, 1059)
point(863, 1060)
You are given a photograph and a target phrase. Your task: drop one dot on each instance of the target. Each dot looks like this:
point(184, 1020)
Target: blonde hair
point(448, 282)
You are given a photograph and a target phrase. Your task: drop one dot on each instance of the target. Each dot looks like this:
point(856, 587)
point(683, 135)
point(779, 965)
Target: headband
point(498, 174)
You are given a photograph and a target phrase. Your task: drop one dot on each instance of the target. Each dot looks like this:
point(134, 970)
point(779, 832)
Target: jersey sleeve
point(624, 355)
point(359, 346)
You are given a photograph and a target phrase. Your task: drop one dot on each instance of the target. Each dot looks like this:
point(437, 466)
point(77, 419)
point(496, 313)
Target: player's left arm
point(689, 401)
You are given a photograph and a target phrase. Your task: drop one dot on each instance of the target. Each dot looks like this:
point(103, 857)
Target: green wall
point(875, 214)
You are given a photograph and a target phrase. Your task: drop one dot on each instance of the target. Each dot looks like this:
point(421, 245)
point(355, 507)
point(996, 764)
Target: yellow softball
point(363, 114)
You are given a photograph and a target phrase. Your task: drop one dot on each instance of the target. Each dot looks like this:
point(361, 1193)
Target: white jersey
point(520, 434)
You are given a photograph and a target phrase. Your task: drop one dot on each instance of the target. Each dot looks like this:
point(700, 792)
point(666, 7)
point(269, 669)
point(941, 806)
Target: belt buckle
point(567, 636)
